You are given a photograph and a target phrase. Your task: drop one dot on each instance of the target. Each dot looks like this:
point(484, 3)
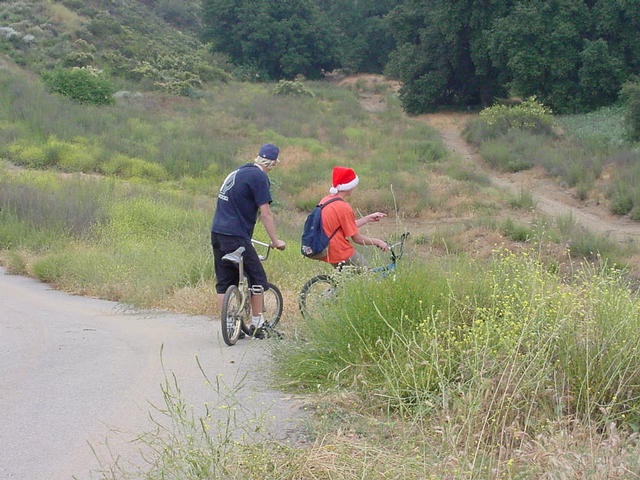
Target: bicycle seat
point(235, 256)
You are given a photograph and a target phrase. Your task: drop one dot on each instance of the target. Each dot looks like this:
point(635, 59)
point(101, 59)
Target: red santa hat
point(343, 179)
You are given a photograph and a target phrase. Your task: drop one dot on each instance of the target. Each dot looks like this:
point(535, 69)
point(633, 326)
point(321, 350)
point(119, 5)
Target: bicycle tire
point(315, 296)
point(273, 306)
point(232, 315)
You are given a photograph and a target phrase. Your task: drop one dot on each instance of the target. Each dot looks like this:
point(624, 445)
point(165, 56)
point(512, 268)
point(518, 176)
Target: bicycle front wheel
point(232, 315)
point(316, 295)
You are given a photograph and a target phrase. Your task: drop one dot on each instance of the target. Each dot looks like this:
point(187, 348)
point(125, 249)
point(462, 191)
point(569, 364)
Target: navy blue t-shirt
point(239, 199)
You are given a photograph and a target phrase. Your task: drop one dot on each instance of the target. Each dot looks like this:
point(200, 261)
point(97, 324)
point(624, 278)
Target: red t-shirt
point(338, 215)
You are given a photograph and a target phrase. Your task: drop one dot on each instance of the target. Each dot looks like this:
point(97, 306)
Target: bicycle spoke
point(316, 296)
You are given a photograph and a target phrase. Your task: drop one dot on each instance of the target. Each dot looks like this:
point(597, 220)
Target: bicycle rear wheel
point(316, 295)
point(272, 300)
point(272, 306)
point(232, 315)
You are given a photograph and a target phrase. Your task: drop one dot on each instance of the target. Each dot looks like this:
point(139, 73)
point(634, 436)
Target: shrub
point(498, 154)
point(183, 83)
point(84, 85)
point(621, 200)
point(292, 87)
point(528, 115)
point(631, 95)
point(515, 231)
point(78, 59)
point(478, 130)
point(128, 167)
point(31, 155)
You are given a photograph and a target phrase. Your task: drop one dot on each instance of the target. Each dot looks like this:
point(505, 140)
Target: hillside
point(153, 44)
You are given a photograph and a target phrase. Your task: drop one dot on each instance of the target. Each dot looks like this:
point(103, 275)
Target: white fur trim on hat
point(344, 186)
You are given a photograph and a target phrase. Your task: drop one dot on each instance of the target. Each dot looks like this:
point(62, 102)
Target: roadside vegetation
point(454, 368)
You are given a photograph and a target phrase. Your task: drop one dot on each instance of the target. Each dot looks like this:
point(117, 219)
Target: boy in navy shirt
point(244, 193)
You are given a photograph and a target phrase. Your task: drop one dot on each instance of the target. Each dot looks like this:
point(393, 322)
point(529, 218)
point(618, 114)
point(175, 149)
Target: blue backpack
point(315, 243)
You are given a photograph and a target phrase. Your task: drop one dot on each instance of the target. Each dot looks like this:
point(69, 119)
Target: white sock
point(256, 321)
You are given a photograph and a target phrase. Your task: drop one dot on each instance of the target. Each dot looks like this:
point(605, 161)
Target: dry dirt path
point(77, 370)
point(548, 196)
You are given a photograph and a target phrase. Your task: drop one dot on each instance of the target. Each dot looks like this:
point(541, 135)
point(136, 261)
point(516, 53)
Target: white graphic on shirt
point(227, 185)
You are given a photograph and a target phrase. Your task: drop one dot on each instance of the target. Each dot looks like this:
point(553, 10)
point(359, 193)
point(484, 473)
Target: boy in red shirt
point(339, 217)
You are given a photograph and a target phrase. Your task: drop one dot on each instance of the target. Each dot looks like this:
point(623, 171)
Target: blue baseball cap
point(269, 151)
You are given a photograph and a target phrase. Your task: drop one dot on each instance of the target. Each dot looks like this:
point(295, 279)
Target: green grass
point(523, 200)
point(598, 131)
point(192, 144)
point(500, 349)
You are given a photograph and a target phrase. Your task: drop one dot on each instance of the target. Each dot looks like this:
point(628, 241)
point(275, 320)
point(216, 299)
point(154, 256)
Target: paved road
point(75, 370)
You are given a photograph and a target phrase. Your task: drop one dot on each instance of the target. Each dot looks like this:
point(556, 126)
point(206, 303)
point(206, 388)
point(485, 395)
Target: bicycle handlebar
point(262, 244)
point(395, 254)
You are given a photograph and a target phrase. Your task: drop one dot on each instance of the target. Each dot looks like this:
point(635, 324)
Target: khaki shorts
point(355, 260)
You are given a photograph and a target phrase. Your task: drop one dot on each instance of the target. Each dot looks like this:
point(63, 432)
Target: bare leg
point(256, 305)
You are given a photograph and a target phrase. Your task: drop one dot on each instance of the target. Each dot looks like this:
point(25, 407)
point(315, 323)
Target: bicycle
point(316, 294)
point(236, 305)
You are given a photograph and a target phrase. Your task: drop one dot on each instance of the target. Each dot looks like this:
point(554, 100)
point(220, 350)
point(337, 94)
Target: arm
point(363, 240)
point(372, 217)
point(266, 216)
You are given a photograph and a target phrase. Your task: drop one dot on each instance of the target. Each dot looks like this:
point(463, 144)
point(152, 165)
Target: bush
point(30, 155)
point(529, 115)
point(84, 85)
point(78, 59)
point(183, 83)
point(631, 95)
point(128, 167)
point(499, 155)
point(292, 87)
point(621, 201)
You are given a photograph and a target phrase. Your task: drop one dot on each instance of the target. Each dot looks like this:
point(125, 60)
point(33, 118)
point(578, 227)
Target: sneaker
point(257, 332)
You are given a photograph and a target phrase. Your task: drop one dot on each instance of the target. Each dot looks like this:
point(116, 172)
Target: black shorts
point(227, 272)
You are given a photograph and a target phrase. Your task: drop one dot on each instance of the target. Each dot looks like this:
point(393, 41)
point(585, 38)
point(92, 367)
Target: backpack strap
point(322, 205)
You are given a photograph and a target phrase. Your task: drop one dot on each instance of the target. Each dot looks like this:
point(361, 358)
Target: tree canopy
point(279, 39)
point(572, 54)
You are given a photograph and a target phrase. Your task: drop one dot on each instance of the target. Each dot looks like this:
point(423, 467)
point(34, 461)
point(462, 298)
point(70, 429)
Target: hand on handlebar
point(279, 244)
point(382, 245)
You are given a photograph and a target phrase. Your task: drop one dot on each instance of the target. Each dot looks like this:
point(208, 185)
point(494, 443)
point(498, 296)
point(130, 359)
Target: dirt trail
point(549, 197)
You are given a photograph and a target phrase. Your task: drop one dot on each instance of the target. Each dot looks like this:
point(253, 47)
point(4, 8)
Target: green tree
point(279, 38)
point(630, 93)
point(572, 54)
point(364, 37)
point(538, 44)
point(600, 74)
point(441, 56)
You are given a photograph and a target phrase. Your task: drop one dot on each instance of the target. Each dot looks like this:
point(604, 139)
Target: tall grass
point(193, 143)
point(589, 142)
point(122, 241)
point(102, 237)
point(500, 349)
